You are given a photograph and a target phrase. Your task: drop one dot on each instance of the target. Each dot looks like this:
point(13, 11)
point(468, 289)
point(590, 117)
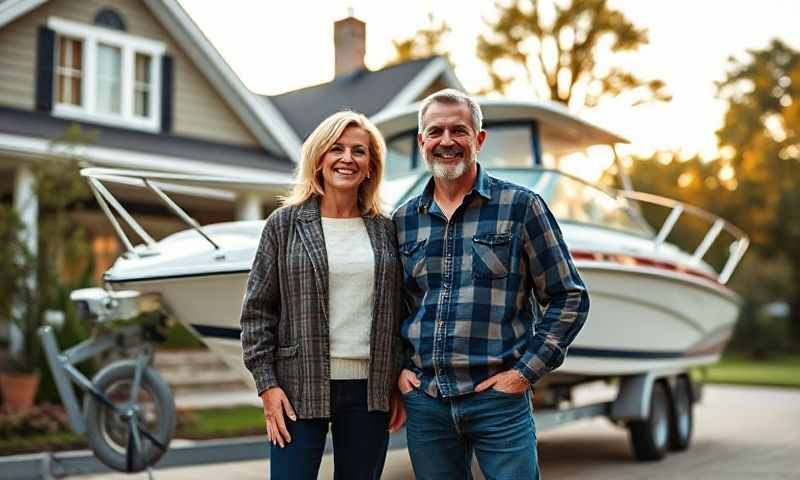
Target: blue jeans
point(443, 433)
point(360, 439)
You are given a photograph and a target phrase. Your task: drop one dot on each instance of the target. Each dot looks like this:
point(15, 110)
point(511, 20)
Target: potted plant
point(18, 304)
point(31, 283)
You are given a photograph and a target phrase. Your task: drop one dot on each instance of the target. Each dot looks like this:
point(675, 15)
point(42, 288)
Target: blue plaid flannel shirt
point(492, 289)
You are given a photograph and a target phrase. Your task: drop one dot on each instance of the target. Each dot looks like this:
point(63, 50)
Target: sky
point(279, 46)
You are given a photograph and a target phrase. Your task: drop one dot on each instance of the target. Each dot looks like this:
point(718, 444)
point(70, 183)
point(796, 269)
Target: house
point(158, 96)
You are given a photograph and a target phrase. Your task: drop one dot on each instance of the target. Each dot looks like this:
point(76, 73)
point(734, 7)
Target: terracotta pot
point(19, 390)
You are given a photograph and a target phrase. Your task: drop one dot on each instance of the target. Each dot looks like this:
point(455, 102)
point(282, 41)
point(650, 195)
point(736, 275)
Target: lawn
point(783, 371)
point(197, 424)
point(222, 422)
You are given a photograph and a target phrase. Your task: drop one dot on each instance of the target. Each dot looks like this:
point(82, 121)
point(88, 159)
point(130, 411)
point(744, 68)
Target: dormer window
point(106, 76)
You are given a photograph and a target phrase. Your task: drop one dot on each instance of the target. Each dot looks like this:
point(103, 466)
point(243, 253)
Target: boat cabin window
point(573, 200)
point(508, 144)
point(400, 155)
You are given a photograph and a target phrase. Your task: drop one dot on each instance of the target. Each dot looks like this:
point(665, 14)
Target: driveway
point(740, 433)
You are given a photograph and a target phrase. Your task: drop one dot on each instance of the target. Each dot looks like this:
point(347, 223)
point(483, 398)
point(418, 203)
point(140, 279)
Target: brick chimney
point(349, 40)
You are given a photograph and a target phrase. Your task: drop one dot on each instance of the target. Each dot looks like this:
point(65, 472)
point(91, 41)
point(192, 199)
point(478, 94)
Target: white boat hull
point(641, 319)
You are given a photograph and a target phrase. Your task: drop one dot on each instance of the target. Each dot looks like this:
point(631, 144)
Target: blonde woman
point(319, 319)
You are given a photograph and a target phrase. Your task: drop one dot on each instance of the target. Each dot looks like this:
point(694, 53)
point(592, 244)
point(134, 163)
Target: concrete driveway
point(740, 433)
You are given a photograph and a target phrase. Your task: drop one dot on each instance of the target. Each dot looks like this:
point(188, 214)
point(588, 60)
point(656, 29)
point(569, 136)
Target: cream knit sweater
point(351, 280)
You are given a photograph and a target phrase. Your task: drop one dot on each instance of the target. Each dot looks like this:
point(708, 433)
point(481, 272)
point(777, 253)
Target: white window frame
point(129, 45)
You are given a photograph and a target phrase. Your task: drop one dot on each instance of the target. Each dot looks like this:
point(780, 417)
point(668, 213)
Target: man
point(480, 257)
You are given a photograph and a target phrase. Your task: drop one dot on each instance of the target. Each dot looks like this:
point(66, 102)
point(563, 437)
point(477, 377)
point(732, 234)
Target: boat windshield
point(571, 200)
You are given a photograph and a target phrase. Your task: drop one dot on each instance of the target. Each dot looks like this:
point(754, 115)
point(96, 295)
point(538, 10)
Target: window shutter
point(45, 66)
point(166, 93)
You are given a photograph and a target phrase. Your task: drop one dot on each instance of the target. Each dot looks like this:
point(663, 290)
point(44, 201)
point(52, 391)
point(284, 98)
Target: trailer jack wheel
point(650, 437)
point(681, 418)
point(129, 428)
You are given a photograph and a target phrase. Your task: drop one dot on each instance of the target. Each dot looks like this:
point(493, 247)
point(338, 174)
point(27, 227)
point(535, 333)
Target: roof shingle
point(364, 91)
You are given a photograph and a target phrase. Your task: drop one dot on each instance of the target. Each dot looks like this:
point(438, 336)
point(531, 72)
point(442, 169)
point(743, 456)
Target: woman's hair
point(309, 181)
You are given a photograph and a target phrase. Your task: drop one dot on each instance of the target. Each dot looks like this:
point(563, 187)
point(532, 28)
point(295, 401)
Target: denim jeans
point(360, 439)
point(443, 433)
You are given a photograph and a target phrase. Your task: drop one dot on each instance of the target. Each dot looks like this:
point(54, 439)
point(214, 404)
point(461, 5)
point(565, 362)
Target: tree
point(425, 43)
point(564, 47)
point(761, 134)
point(32, 283)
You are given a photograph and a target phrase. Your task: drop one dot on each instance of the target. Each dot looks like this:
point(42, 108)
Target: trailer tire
point(106, 433)
point(681, 417)
point(650, 437)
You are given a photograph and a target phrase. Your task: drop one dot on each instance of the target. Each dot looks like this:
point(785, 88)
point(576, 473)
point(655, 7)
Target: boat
point(655, 305)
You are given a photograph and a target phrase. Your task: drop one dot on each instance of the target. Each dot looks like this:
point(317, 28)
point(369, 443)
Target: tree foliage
point(756, 183)
point(761, 132)
point(563, 48)
point(426, 42)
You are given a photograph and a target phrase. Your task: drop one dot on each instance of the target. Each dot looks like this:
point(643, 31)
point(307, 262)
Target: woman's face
point(347, 163)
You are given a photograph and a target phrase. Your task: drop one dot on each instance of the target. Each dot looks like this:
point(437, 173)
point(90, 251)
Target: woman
point(319, 319)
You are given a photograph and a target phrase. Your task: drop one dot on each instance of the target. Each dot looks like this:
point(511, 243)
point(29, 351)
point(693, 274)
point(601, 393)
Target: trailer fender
point(633, 398)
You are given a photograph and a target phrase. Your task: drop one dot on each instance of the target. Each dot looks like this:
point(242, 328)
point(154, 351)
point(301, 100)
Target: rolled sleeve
point(557, 288)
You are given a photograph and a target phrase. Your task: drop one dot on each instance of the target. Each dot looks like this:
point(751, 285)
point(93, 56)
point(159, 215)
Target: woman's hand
point(397, 412)
point(275, 404)
point(407, 381)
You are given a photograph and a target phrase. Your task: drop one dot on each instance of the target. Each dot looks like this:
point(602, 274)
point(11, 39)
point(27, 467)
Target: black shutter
point(166, 93)
point(45, 65)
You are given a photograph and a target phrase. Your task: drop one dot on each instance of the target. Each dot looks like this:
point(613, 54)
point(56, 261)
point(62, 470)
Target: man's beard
point(449, 171)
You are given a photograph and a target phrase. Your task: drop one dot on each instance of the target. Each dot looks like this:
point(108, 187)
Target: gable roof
point(259, 115)
point(365, 91)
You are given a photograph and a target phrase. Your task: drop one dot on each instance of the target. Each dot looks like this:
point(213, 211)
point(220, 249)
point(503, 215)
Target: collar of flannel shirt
point(482, 187)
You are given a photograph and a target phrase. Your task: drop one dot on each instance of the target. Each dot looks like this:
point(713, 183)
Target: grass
point(782, 371)
point(41, 442)
point(223, 422)
point(197, 425)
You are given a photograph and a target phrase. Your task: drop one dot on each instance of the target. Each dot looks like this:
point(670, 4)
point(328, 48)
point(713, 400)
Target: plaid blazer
point(285, 331)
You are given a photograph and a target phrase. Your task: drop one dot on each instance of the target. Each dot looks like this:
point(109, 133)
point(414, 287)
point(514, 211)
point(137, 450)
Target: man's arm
point(557, 287)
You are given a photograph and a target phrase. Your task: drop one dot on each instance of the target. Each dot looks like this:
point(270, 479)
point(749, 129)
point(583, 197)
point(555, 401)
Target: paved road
point(740, 433)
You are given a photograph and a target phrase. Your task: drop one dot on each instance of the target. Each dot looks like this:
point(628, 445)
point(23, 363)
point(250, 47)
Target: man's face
point(448, 141)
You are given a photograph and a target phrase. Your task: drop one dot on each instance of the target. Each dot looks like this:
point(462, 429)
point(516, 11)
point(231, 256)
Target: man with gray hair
point(494, 301)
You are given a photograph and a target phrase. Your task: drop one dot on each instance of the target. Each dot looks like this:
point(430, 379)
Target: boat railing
point(717, 225)
point(156, 182)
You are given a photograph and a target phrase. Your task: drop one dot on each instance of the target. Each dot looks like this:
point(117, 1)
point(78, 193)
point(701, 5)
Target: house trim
point(12, 9)
point(33, 148)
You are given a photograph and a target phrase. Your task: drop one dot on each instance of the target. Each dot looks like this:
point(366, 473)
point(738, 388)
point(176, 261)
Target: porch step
point(199, 379)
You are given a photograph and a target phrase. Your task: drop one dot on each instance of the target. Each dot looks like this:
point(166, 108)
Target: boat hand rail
point(152, 181)
point(736, 249)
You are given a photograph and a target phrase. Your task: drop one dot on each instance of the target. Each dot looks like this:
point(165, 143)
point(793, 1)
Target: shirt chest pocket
point(491, 254)
point(413, 257)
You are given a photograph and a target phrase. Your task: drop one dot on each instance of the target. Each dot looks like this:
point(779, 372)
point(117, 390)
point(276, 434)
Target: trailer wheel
point(681, 418)
point(109, 434)
point(650, 437)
